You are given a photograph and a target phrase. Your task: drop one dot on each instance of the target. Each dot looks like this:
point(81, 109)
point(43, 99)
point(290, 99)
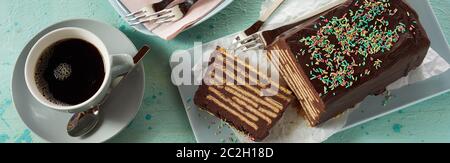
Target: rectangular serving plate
point(209, 129)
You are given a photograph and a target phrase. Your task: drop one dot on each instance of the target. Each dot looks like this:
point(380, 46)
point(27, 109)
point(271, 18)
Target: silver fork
point(150, 9)
point(247, 35)
point(252, 42)
point(260, 40)
point(148, 14)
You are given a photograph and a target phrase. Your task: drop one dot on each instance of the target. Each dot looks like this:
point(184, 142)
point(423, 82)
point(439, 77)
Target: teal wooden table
point(162, 117)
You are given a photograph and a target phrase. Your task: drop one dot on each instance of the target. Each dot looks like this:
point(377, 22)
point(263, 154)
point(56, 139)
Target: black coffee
point(70, 72)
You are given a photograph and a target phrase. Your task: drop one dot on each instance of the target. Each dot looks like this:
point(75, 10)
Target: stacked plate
point(123, 11)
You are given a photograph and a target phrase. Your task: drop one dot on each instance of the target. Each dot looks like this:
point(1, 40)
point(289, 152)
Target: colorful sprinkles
point(360, 37)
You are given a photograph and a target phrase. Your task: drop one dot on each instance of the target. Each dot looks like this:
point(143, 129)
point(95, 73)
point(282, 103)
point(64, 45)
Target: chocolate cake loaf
point(239, 102)
point(334, 60)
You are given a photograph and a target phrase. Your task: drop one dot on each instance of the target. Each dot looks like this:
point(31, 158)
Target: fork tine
point(173, 14)
point(140, 21)
point(163, 16)
point(137, 17)
point(247, 44)
point(256, 46)
point(246, 39)
point(250, 47)
point(167, 20)
point(161, 12)
point(158, 19)
point(172, 17)
point(137, 23)
point(134, 13)
point(251, 42)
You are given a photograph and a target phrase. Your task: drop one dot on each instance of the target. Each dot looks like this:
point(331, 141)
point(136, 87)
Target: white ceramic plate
point(118, 6)
point(208, 129)
point(120, 109)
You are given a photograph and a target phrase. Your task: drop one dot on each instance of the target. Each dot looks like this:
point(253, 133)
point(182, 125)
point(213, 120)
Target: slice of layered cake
point(250, 103)
point(334, 60)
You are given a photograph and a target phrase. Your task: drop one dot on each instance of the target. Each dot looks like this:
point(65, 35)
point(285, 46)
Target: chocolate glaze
point(405, 55)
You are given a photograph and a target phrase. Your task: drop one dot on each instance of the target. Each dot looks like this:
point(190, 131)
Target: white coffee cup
point(115, 65)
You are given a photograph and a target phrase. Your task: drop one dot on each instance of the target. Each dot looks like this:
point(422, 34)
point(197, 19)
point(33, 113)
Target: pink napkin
point(169, 31)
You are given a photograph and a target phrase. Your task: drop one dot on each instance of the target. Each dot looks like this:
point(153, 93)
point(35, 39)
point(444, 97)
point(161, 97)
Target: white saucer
point(119, 110)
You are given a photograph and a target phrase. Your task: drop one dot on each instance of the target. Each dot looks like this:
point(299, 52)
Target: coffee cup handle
point(121, 65)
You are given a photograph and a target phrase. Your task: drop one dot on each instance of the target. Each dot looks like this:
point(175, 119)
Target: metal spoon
point(84, 122)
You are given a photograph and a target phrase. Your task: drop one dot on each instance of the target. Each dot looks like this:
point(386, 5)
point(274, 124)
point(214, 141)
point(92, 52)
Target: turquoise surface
point(162, 117)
